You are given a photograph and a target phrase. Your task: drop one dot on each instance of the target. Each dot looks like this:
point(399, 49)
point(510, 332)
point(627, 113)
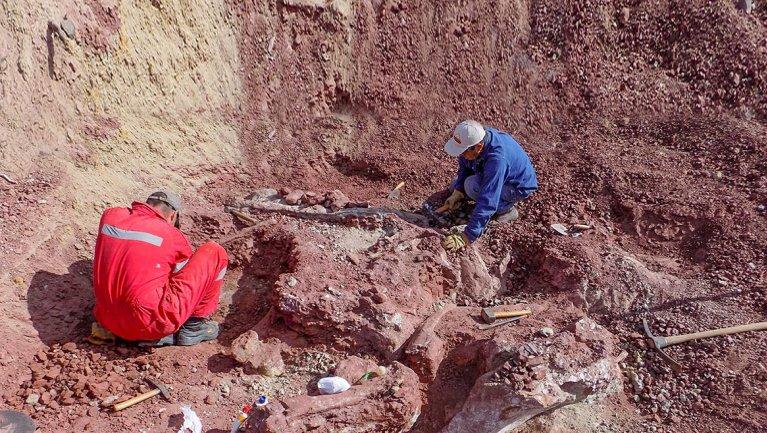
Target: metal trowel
point(394, 194)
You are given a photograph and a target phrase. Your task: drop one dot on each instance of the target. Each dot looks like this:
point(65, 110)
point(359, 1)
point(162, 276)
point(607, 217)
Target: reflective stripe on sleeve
point(180, 265)
point(130, 235)
point(220, 275)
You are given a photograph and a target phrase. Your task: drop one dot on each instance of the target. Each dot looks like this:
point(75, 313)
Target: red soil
point(645, 119)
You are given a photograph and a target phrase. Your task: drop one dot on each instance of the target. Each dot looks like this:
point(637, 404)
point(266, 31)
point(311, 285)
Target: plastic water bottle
point(244, 415)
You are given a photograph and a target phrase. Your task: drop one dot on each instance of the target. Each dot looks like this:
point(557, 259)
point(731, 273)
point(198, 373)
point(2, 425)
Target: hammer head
point(433, 216)
point(163, 390)
point(488, 315)
point(658, 343)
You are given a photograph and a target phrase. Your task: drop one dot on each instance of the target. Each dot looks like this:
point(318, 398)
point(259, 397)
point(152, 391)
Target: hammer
point(159, 389)
point(660, 342)
point(433, 216)
point(489, 316)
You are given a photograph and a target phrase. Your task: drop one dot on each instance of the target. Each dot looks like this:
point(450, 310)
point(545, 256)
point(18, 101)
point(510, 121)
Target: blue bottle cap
point(262, 400)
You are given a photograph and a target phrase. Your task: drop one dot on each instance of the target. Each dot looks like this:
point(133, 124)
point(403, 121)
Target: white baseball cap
point(467, 134)
point(168, 197)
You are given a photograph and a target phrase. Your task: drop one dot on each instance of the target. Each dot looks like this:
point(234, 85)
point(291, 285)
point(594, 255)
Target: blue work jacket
point(502, 162)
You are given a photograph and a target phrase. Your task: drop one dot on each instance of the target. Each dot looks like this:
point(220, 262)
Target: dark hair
point(163, 206)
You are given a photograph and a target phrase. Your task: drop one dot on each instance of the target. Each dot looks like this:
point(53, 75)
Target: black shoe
point(168, 340)
point(508, 216)
point(196, 330)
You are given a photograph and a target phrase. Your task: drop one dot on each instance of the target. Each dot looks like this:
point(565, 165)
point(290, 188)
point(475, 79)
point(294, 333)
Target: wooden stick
point(242, 216)
point(137, 399)
point(676, 339)
point(507, 314)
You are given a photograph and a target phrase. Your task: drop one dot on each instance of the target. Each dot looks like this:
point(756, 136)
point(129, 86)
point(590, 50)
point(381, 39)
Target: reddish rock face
point(312, 198)
point(388, 403)
point(426, 350)
point(388, 302)
point(526, 379)
point(294, 197)
point(264, 357)
point(374, 302)
point(358, 286)
point(336, 200)
point(354, 367)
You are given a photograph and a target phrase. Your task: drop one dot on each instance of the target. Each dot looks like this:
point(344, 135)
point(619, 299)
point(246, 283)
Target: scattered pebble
point(68, 27)
point(109, 400)
point(32, 399)
point(69, 347)
point(546, 331)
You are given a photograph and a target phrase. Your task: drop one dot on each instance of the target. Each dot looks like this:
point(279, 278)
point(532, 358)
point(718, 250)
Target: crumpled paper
point(192, 422)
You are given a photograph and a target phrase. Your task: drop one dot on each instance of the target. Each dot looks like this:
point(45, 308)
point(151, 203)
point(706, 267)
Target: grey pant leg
point(509, 195)
point(471, 186)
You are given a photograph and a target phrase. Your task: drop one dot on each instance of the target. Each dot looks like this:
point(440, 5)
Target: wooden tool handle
point(676, 339)
point(137, 399)
point(242, 216)
point(506, 314)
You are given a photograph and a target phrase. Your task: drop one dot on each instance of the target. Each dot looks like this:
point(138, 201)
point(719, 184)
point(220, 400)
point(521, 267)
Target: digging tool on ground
point(433, 216)
point(490, 316)
point(7, 178)
point(159, 389)
point(661, 342)
point(243, 216)
point(394, 194)
point(500, 323)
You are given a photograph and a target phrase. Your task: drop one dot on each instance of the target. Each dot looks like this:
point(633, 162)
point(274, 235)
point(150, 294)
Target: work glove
point(455, 242)
point(100, 335)
point(453, 202)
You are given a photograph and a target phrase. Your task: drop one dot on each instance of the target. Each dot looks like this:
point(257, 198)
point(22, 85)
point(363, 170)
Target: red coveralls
point(146, 279)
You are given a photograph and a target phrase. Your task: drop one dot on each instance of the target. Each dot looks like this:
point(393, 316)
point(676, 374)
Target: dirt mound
point(328, 294)
point(363, 287)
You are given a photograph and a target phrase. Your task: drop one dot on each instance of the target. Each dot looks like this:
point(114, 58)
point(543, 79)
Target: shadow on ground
point(60, 305)
point(262, 258)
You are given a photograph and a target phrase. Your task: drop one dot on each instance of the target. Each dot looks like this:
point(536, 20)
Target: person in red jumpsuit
point(149, 284)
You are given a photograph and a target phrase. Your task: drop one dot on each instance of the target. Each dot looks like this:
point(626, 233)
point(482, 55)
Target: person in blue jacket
point(494, 171)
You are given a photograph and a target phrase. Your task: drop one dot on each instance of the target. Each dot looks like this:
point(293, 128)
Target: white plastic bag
point(191, 421)
point(333, 385)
